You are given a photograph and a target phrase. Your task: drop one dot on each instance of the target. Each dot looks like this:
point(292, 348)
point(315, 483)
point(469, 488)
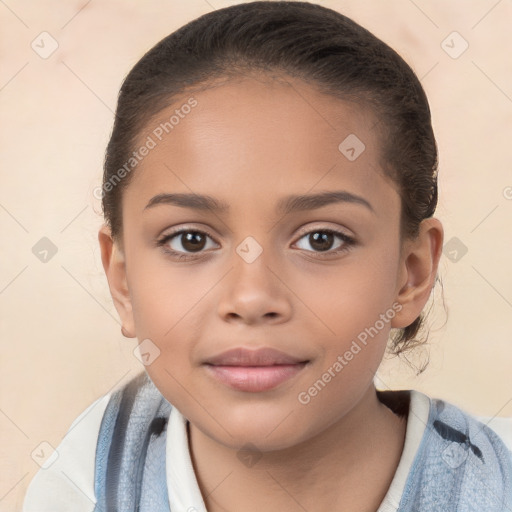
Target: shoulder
point(461, 463)
point(69, 477)
point(455, 425)
point(501, 426)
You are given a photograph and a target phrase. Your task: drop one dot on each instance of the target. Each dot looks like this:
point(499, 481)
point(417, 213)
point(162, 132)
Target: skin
point(249, 142)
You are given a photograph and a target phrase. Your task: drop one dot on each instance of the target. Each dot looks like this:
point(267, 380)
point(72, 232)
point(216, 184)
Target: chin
point(250, 438)
point(267, 428)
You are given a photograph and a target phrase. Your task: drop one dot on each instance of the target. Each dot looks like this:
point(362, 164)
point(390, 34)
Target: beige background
point(60, 335)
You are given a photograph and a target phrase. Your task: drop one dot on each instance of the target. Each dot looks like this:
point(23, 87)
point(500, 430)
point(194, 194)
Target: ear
point(418, 269)
point(114, 264)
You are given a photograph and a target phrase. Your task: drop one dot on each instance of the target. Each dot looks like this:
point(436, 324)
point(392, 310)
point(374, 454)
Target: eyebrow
point(284, 206)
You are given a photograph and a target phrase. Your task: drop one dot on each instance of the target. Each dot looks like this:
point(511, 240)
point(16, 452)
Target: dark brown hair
point(307, 41)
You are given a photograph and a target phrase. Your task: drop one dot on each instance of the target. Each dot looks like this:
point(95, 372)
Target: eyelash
point(349, 242)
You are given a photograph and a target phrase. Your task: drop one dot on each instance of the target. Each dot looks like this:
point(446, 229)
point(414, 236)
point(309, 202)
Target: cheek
point(171, 307)
point(359, 314)
point(352, 297)
point(164, 294)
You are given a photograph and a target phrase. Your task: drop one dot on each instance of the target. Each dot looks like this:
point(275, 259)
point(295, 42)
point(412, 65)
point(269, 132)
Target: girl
point(269, 192)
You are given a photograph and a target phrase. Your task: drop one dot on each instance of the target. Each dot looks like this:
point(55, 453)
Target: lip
point(242, 356)
point(254, 370)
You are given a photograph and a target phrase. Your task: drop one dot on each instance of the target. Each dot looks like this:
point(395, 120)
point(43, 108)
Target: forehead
point(250, 140)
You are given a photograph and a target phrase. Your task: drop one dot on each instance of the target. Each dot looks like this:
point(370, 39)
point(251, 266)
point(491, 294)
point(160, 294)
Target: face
point(318, 283)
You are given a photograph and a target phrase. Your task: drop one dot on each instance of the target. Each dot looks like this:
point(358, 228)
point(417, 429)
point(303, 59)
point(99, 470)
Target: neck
point(349, 466)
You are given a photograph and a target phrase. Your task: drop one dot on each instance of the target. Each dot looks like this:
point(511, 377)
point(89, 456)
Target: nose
point(253, 292)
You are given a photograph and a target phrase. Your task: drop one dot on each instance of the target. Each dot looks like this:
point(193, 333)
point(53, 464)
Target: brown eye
point(193, 241)
point(323, 240)
point(185, 241)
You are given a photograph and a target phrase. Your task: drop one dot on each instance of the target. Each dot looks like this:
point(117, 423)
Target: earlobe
point(420, 261)
point(114, 265)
